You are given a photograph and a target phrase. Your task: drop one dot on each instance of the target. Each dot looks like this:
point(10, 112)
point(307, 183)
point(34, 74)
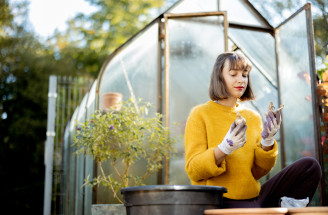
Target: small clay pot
point(111, 99)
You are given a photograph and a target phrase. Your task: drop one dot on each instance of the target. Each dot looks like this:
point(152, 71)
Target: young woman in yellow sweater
point(221, 153)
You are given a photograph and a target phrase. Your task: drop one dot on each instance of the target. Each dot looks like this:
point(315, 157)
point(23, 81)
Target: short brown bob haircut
point(230, 61)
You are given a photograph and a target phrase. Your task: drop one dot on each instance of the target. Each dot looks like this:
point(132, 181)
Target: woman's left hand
point(271, 127)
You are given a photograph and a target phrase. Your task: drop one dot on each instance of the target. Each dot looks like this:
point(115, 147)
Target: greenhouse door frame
point(167, 63)
point(314, 92)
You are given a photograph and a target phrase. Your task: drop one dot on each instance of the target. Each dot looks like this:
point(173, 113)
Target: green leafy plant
point(321, 71)
point(123, 137)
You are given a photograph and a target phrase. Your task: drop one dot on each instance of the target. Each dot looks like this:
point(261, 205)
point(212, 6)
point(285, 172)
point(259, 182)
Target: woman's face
point(236, 81)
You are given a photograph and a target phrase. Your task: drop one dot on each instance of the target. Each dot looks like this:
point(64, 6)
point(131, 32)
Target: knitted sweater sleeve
point(264, 160)
point(200, 160)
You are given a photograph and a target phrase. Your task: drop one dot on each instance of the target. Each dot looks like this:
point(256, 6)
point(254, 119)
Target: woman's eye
point(233, 74)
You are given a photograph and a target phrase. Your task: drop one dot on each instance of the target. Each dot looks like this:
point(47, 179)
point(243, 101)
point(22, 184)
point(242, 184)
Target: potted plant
point(123, 136)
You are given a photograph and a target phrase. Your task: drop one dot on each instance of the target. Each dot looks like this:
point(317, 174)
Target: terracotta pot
point(111, 99)
point(308, 210)
point(242, 211)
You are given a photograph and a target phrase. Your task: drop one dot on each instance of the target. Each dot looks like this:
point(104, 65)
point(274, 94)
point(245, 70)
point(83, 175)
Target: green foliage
point(24, 70)
point(5, 15)
point(116, 21)
point(321, 71)
point(124, 137)
point(94, 37)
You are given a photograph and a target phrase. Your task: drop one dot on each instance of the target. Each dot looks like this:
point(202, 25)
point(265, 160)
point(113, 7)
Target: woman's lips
point(239, 88)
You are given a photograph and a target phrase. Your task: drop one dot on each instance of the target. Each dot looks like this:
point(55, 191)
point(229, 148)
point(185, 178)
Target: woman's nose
point(240, 79)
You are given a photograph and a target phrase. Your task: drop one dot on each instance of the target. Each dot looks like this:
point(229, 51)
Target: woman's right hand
point(234, 139)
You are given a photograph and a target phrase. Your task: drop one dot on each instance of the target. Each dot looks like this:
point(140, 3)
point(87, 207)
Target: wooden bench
point(264, 211)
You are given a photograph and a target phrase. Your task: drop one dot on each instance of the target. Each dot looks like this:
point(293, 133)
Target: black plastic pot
point(172, 199)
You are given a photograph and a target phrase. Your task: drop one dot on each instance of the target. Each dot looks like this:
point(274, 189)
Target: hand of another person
point(271, 127)
point(234, 139)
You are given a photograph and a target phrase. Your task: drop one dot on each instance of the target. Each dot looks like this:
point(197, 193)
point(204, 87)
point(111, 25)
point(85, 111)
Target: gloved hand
point(271, 127)
point(234, 139)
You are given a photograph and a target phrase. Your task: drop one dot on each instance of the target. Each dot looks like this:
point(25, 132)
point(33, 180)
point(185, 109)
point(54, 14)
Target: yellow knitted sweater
point(206, 127)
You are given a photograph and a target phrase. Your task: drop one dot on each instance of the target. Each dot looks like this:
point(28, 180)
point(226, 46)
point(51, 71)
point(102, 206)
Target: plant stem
point(116, 170)
point(148, 170)
point(110, 183)
point(126, 180)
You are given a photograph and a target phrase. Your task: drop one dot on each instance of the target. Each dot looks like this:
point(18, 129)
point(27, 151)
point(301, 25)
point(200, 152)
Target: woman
point(221, 153)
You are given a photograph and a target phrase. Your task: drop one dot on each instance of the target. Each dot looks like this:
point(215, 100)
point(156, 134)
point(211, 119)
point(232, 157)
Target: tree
point(25, 65)
point(93, 38)
point(320, 25)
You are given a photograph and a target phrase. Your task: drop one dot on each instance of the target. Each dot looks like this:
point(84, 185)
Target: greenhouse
point(169, 63)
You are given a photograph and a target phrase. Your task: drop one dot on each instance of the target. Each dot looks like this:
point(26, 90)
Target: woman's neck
point(229, 102)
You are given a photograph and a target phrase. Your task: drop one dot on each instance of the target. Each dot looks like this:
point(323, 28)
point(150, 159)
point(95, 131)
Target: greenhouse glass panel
point(231, 45)
point(133, 71)
point(240, 12)
point(137, 65)
point(91, 104)
point(79, 183)
point(79, 190)
point(191, 59)
point(195, 6)
point(260, 48)
point(72, 127)
point(72, 165)
point(66, 146)
point(265, 93)
point(295, 87)
point(90, 109)
point(82, 111)
point(88, 189)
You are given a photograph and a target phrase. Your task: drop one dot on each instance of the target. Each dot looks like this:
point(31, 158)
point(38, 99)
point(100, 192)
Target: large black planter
point(172, 199)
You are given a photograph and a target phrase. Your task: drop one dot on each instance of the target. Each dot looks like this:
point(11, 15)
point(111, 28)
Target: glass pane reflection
point(90, 109)
point(72, 167)
point(295, 83)
point(79, 181)
point(91, 104)
point(192, 56)
point(240, 12)
point(260, 47)
point(82, 111)
point(140, 60)
point(265, 93)
point(66, 146)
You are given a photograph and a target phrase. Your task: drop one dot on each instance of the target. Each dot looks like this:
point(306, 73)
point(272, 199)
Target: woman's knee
point(310, 165)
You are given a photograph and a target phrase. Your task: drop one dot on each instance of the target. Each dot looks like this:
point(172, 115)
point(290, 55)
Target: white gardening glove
point(271, 127)
point(234, 139)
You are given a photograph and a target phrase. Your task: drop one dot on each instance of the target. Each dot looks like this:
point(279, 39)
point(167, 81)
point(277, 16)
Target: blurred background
point(76, 47)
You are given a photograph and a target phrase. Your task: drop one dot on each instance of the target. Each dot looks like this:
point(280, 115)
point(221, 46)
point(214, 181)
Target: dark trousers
point(298, 180)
